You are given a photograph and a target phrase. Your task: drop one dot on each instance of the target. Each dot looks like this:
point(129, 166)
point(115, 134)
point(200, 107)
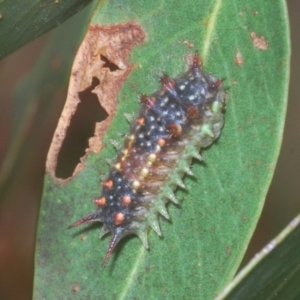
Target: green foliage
point(24, 20)
point(273, 273)
point(203, 245)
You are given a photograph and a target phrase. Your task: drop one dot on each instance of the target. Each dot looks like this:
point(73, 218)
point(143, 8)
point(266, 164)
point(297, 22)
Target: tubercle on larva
point(173, 124)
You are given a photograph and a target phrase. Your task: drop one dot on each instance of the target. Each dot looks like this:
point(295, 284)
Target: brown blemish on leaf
point(239, 60)
point(75, 288)
point(259, 42)
point(115, 43)
point(83, 238)
point(188, 44)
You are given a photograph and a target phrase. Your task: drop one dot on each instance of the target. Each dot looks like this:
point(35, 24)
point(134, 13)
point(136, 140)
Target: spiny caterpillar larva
point(173, 124)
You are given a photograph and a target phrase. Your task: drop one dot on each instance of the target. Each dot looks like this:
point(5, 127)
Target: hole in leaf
point(108, 64)
point(81, 128)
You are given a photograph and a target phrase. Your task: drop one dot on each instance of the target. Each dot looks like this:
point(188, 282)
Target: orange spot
point(100, 201)
point(192, 112)
point(148, 101)
point(119, 218)
point(126, 200)
point(123, 165)
point(167, 82)
point(108, 184)
point(175, 129)
point(196, 61)
point(216, 84)
point(141, 121)
point(161, 142)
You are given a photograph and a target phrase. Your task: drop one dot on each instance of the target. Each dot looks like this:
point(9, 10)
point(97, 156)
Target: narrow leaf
point(24, 20)
point(273, 273)
point(202, 245)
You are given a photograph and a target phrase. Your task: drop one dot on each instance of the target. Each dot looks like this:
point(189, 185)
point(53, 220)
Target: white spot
point(182, 87)
point(148, 144)
point(152, 118)
point(202, 92)
point(192, 97)
point(144, 172)
point(267, 249)
point(294, 223)
point(152, 157)
point(141, 136)
point(208, 113)
point(165, 100)
point(160, 129)
point(135, 184)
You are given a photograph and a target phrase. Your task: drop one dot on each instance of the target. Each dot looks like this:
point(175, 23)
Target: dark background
point(21, 194)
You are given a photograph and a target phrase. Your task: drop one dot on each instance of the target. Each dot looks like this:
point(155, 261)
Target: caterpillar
point(172, 125)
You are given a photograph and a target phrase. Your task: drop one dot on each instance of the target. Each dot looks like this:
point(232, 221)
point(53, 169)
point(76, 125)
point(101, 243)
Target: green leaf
point(273, 273)
point(24, 20)
point(204, 243)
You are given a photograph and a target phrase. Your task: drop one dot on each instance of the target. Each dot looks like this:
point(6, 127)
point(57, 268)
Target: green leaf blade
point(25, 20)
point(207, 237)
point(273, 273)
